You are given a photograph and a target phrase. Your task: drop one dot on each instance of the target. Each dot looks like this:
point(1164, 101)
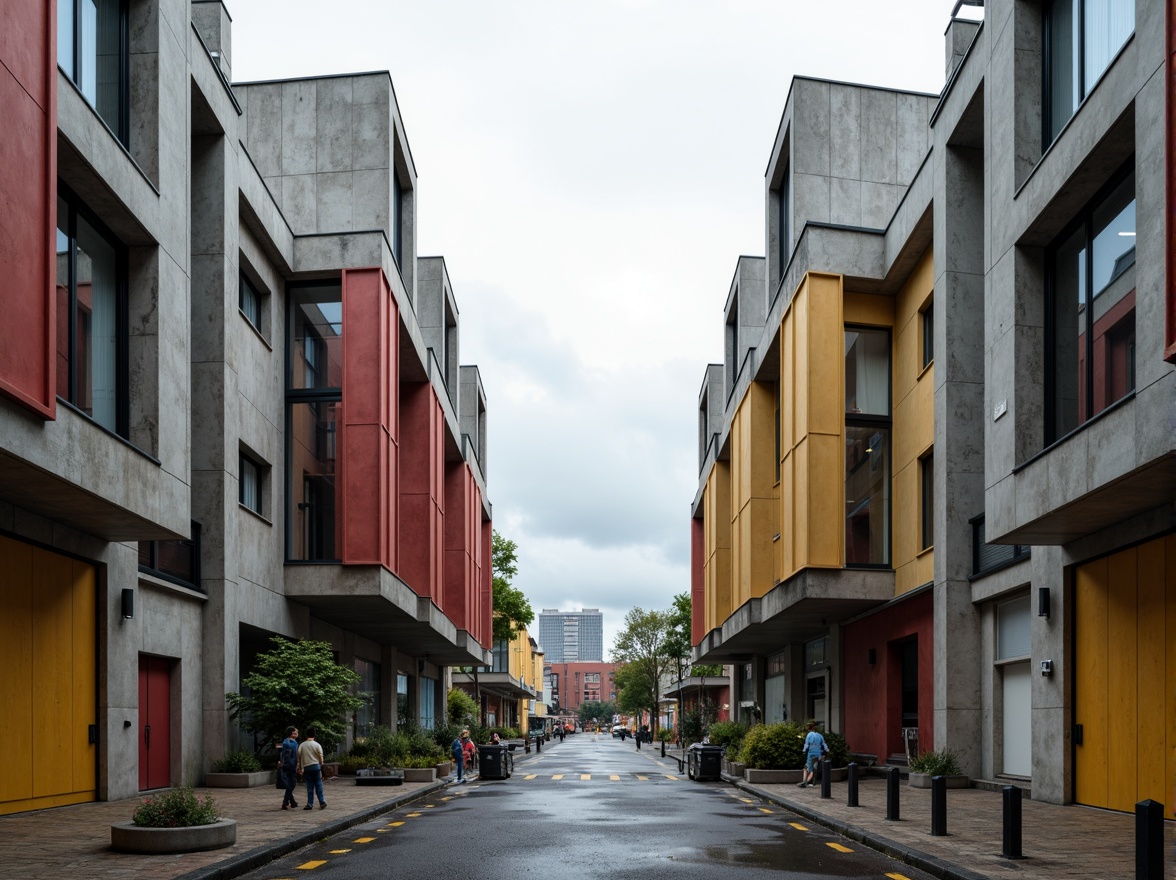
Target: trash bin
point(704, 762)
point(494, 761)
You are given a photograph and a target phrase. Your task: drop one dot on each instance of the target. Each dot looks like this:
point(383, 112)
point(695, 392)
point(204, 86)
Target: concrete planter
point(131, 838)
point(771, 777)
point(239, 780)
point(923, 780)
point(379, 776)
point(420, 774)
point(734, 768)
point(444, 769)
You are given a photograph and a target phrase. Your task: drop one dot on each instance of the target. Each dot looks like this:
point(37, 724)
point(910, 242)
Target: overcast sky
point(591, 172)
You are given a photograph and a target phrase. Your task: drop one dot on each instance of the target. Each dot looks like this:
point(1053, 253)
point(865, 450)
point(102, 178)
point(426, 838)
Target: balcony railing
point(175, 561)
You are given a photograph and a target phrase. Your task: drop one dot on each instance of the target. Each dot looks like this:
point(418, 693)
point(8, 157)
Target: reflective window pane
point(316, 351)
point(867, 372)
point(1063, 53)
point(1068, 327)
point(64, 274)
point(313, 489)
point(867, 495)
point(1108, 24)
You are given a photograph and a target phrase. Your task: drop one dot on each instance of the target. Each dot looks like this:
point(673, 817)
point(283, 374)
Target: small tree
point(296, 683)
point(641, 647)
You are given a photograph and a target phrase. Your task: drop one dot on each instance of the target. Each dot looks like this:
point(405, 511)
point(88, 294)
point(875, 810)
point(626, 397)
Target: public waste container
point(704, 762)
point(494, 761)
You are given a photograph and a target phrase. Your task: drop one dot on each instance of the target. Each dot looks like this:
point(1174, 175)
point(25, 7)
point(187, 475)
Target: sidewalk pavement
point(1058, 842)
point(70, 842)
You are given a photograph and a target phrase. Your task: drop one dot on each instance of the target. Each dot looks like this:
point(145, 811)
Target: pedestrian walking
point(288, 766)
point(458, 752)
point(814, 748)
point(310, 765)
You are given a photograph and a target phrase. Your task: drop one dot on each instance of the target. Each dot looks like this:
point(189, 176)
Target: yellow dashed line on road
point(363, 840)
point(800, 827)
point(898, 877)
point(746, 800)
point(615, 778)
point(585, 777)
point(339, 852)
point(395, 824)
point(413, 815)
point(531, 776)
point(671, 778)
point(838, 847)
point(643, 778)
point(306, 866)
point(558, 776)
point(429, 806)
point(765, 810)
point(447, 798)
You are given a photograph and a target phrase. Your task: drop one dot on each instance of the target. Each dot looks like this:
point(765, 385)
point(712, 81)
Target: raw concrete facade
point(229, 208)
point(1036, 595)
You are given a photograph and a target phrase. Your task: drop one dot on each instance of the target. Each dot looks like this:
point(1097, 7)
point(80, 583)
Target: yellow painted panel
point(825, 366)
point(907, 534)
point(1090, 698)
point(1170, 662)
point(16, 659)
point(800, 513)
point(869, 309)
point(1122, 678)
point(826, 500)
point(85, 685)
point(800, 362)
point(762, 427)
point(787, 382)
point(1151, 744)
point(762, 550)
point(786, 553)
point(52, 674)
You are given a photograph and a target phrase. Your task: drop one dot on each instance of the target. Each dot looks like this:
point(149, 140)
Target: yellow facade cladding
point(914, 428)
point(755, 521)
point(717, 546)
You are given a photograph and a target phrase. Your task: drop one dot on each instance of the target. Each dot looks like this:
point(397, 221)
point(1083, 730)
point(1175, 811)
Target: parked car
point(619, 730)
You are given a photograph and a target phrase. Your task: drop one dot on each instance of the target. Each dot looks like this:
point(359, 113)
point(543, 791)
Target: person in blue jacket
point(814, 747)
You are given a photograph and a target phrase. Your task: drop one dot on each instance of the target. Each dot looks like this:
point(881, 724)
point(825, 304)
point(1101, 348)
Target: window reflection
point(867, 446)
point(312, 466)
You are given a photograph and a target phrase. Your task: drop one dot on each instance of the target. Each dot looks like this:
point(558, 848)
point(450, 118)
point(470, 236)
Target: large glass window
point(92, 51)
point(867, 446)
point(1092, 312)
point(368, 715)
point(428, 715)
point(91, 316)
point(1082, 37)
point(314, 396)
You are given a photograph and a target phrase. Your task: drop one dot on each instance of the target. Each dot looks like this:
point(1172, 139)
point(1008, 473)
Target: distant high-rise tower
point(572, 636)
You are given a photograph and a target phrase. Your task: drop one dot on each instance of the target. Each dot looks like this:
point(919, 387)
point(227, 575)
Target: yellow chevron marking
point(413, 815)
point(395, 824)
point(306, 866)
point(897, 877)
point(339, 852)
point(838, 847)
point(800, 827)
point(364, 839)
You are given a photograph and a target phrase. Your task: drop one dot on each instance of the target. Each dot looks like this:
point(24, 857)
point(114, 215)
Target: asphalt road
point(590, 807)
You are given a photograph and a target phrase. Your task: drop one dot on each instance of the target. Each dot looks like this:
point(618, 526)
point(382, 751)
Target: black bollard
point(892, 795)
point(538, 744)
point(1011, 848)
point(938, 806)
point(1149, 840)
point(826, 779)
point(851, 798)
point(663, 742)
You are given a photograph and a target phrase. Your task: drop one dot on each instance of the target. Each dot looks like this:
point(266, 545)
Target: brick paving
point(1058, 842)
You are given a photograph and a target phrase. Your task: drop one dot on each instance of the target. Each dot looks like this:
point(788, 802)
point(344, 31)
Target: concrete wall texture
point(1032, 461)
point(180, 532)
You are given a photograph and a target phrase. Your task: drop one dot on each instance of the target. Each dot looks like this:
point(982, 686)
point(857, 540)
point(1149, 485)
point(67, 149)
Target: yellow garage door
point(1125, 677)
point(48, 692)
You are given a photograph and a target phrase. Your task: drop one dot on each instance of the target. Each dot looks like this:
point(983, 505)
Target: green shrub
point(728, 734)
point(348, 764)
point(460, 709)
point(773, 747)
point(237, 762)
point(838, 749)
point(944, 762)
point(175, 808)
point(665, 735)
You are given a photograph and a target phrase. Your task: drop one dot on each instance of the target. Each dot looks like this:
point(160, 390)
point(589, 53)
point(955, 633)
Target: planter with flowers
point(174, 821)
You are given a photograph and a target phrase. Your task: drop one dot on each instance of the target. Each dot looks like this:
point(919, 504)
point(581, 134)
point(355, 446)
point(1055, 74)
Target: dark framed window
point(368, 689)
point(987, 558)
point(314, 395)
point(175, 561)
point(251, 301)
point(397, 220)
point(867, 446)
point(92, 322)
point(784, 219)
point(928, 322)
point(927, 499)
point(251, 483)
point(92, 39)
point(1081, 39)
point(1090, 310)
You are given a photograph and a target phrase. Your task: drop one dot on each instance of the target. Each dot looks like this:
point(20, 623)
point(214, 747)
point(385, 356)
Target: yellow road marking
point(763, 809)
point(395, 824)
point(800, 827)
point(747, 800)
point(363, 840)
point(558, 776)
point(306, 866)
point(838, 847)
point(447, 798)
point(897, 877)
point(531, 776)
point(339, 852)
point(585, 777)
point(429, 806)
point(643, 778)
point(615, 778)
point(671, 778)
point(412, 815)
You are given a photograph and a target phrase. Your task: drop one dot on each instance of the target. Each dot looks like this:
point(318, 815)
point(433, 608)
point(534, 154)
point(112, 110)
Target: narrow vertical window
point(250, 484)
point(867, 447)
point(250, 301)
point(397, 218)
point(784, 219)
point(92, 38)
point(927, 500)
point(928, 335)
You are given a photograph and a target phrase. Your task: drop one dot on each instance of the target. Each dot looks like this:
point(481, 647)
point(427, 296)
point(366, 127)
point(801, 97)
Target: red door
point(154, 723)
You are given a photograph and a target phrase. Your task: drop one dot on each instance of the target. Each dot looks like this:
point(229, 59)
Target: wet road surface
point(588, 807)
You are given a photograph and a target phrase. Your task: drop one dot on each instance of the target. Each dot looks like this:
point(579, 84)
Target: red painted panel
point(154, 723)
point(370, 458)
point(697, 588)
point(485, 573)
point(28, 203)
point(460, 588)
point(873, 698)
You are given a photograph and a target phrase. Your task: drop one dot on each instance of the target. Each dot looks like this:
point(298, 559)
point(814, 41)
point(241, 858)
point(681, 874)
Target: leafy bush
point(728, 734)
point(411, 747)
point(237, 762)
point(460, 708)
point(838, 749)
point(773, 747)
point(944, 762)
point(175, 808)
point(665, 734)
point(348, 764)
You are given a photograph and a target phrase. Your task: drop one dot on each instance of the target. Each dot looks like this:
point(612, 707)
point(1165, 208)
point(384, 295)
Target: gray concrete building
point(255, 423)
point(572, 636)
point(969, 336)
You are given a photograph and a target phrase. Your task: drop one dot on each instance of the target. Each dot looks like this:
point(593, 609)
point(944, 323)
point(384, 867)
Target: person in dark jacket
point(288, 766)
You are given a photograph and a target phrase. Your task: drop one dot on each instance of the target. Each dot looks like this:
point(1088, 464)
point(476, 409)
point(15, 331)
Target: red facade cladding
point(422, 491)
point(28, 203)
point(369, 469)
point(484, 635)
point(462, 536)
point(873, 692)
point(697, 583)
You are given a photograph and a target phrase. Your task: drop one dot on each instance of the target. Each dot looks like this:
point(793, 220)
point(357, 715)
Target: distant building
point(571, 684)
point(572, 636)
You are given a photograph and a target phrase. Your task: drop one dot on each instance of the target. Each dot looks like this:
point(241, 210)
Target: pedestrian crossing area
point(598, 777)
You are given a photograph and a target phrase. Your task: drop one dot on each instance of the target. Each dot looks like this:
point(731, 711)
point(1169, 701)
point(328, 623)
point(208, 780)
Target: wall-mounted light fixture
point(128, 604)
point(872, 656)
point(1043, 601)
